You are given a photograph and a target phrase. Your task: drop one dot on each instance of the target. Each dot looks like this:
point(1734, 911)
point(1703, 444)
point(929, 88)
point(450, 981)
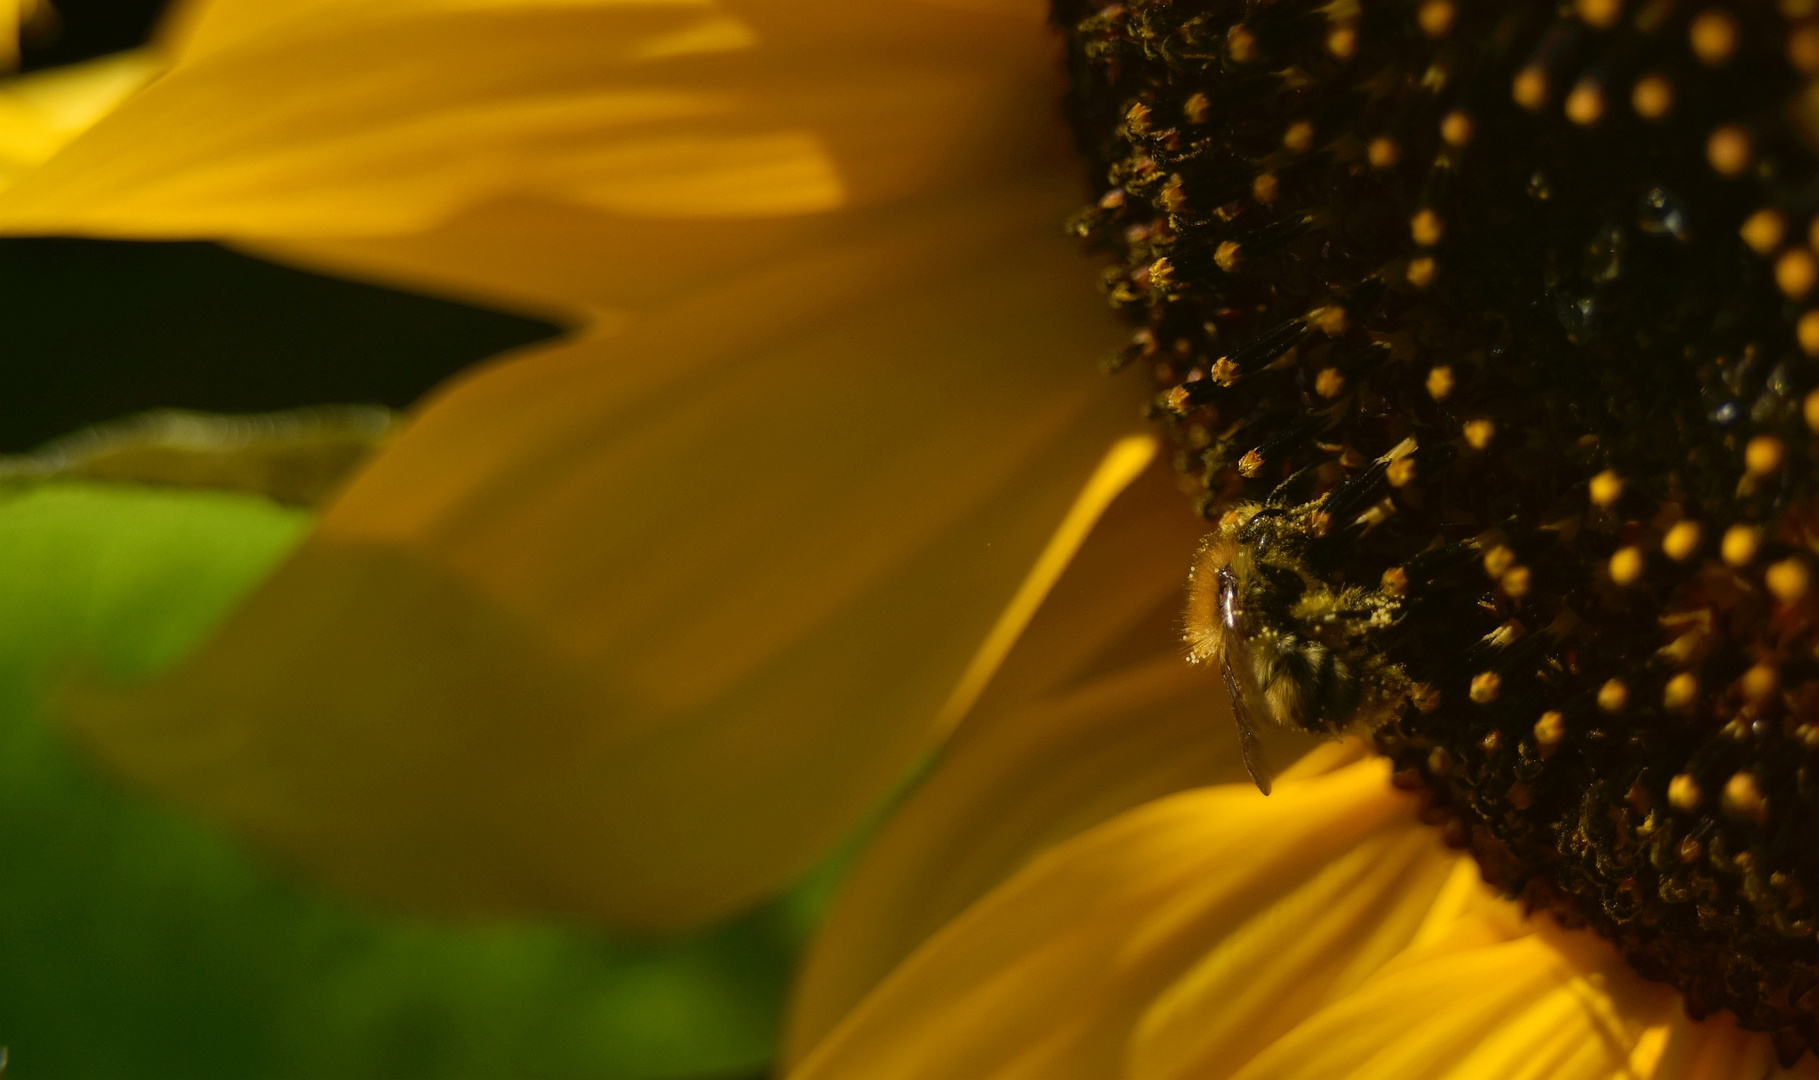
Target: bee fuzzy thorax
point(1488, 335)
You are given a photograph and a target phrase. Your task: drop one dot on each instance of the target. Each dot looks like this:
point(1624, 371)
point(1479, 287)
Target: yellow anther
point(1529, 88)
point(1240, 44)
point(1626, 566)
point(1436, 18)
point(1714, 36)
point(1440, 382)
point(1759, 683)
point(1682, 540)
point(1744, 799)
point(1729, 150)
point(1598, 14)
point(1585, 104)
point(1681, 692)
point(1739, 545)
point(1803, 49)
point(1796, 272)
point(1789, 579)
point(1342, 42)
point(1764, 230)
point(1806, 331)
point(1764, 455)
point(1456, 128)
point(1652, 97)
point(1549, 730)
point(1426, 227)
point(1606, 488)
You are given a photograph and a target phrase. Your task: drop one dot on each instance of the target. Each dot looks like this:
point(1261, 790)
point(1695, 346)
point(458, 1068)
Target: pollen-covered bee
point(1291, 648)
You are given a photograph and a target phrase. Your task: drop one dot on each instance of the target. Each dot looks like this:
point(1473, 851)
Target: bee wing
point(1245, 695)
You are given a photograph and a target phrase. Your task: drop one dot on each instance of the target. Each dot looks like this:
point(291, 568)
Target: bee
point(1291, 649)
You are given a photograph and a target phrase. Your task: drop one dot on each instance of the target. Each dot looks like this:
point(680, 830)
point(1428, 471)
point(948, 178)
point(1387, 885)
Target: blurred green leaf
point(135, 942)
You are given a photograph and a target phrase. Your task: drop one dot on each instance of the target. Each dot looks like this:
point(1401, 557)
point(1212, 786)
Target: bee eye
point(1231, 602)
point(1590, 230)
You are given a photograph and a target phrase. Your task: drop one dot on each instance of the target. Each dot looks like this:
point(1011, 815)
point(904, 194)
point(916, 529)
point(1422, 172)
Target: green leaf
point(135, 942)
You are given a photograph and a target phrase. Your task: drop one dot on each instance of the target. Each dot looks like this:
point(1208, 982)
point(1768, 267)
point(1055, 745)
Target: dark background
point(89, 28)
point(96, 329)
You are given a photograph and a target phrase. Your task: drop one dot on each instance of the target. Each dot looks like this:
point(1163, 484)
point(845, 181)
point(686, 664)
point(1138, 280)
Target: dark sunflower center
point(1491, 322)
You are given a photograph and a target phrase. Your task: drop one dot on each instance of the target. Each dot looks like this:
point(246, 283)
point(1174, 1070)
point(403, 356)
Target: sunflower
point(826, 480)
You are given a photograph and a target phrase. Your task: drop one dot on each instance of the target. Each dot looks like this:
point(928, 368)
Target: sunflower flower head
point(1484, 340)
point(1485, 333)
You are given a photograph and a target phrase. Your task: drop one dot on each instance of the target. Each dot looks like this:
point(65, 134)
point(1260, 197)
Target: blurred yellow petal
point(41, 112)
point(339, 133)
point(1318, 933)
point(1093, 713)
point(639, 625)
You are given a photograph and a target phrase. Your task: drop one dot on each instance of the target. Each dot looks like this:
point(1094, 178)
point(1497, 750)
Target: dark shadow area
point(82, 29)
point(95, 330)
point(98, 329)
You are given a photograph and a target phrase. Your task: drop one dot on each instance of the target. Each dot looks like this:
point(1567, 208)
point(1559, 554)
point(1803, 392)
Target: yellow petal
point(383, 121)
point(1094, 712)
point(338, 132)
point(1319, 933)
point(1319, 941)
point(639, 625)
point(41, 112)
point(1049, 974)
point(1491, 1009)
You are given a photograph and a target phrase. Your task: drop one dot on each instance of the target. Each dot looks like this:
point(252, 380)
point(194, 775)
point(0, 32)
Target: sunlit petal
point(1094, 712)
point(1321, 932)
point(1049, 975)
point(399, 138)
point(41, 112)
